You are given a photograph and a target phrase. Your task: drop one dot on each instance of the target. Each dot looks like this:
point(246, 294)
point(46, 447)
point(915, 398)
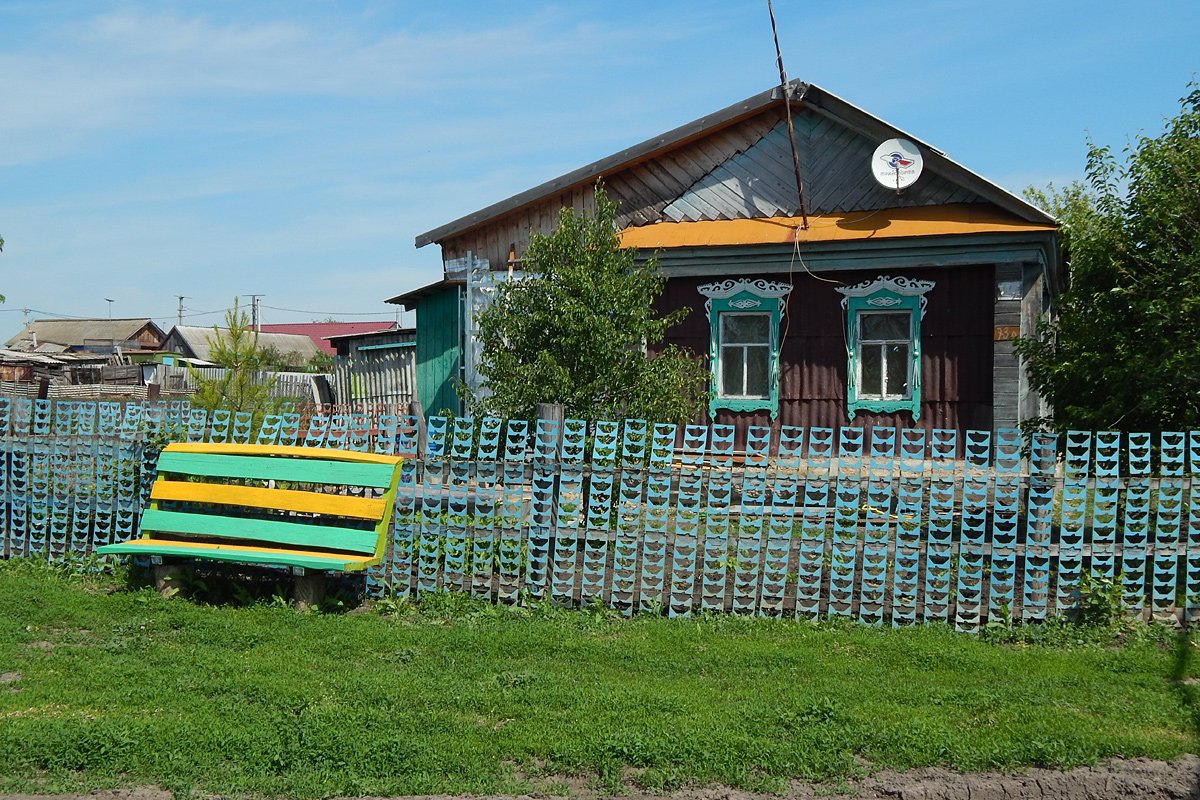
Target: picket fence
point(880, 525)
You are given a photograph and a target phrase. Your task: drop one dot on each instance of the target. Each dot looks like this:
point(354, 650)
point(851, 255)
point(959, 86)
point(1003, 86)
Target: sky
point(296, 149)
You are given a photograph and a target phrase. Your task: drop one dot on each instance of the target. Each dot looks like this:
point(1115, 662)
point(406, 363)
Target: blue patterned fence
point(881, 525)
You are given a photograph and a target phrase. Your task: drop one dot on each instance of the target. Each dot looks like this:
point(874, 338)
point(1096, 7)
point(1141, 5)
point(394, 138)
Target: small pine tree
point(579, 330)
point(243, 386)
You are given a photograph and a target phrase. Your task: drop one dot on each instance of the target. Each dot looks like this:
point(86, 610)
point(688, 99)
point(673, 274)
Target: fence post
point(416, 410)
point(551, 411)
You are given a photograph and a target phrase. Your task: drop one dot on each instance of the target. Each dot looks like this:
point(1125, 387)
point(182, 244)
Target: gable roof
point(737, 184)
point(196, 337)
point(75, 332)
point(320, 331)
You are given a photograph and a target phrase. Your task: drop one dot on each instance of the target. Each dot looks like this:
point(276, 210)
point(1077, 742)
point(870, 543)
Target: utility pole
point(179, 321)
point(254, 311)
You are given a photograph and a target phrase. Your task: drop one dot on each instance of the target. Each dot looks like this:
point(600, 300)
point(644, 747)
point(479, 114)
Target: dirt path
point(1119, 779)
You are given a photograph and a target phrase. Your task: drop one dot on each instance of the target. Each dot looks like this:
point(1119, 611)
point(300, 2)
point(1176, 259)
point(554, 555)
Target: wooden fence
point(881, 525)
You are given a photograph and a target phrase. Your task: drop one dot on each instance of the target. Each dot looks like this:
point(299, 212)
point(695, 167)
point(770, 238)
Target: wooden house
point(870, 303)
point(103, 336)
point(194, 343)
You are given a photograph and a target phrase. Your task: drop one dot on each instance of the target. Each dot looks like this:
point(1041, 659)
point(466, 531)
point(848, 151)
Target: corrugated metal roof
point(77, 331)
point(197, 340)
point(320, 331)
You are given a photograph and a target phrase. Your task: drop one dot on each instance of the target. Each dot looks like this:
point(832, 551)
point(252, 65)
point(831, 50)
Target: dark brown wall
point(956, 361)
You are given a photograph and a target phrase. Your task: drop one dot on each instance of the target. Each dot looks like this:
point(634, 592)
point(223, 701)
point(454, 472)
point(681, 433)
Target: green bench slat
point(240, 556)
point(265, 530)
point(296, 470)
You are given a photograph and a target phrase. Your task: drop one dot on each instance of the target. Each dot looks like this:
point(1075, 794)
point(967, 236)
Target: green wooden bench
point(268, 505)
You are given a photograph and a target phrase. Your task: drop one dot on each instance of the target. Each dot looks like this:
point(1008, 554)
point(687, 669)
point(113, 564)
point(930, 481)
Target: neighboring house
point(104, 336)
point(193, 342)
point(375, 369)
point(322, 332)
point(878, 306)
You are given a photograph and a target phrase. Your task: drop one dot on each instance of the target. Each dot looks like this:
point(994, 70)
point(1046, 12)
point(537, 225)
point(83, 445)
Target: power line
point(326, 313)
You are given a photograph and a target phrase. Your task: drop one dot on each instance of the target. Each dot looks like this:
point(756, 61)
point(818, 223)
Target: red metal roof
point(319, 331)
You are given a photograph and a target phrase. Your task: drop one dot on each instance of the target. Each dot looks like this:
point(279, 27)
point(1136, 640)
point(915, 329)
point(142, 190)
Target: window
point(744, 344)
point(883, 342)
point(885, 361)
point(745, 356)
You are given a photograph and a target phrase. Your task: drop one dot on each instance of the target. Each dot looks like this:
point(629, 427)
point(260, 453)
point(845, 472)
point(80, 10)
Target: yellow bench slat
point(261, 497)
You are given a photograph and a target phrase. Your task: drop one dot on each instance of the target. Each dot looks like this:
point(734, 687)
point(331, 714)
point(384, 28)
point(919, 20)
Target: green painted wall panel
point(439, 350)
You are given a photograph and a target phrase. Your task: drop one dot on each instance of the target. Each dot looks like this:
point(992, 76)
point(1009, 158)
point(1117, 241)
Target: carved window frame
point(890, 294)
point(744, 297)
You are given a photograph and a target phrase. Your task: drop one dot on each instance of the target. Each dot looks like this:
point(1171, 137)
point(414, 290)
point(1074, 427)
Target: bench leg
point(309, 590)
point(168, 579)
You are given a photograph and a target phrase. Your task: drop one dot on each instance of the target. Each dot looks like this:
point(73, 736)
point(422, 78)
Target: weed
point(1099, 600)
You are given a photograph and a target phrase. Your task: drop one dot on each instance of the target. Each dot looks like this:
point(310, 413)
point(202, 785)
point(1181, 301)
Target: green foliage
point(103, 686)
point(320, 362)
point(581, 330)
point(1099, 601)
point(1123, 351)
point(242, 387)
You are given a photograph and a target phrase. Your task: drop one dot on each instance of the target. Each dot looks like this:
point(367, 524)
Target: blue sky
point(295, 149)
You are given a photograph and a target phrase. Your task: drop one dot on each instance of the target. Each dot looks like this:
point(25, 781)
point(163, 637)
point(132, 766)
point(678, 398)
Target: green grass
point(115, 686)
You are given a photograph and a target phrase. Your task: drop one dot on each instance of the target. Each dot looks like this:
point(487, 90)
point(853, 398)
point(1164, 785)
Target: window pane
point(732, 365)
point(871, 370)
point(883, 326)
point(757, 366)
point(745, 328)
point(897, 370)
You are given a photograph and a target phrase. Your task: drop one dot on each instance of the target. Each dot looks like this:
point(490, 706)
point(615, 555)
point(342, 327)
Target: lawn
point(103, 685)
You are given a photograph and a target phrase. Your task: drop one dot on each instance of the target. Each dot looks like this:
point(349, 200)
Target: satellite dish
point(897, 164)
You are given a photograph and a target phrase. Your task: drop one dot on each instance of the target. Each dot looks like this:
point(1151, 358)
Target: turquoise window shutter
point(883, 338)
point(744, 343)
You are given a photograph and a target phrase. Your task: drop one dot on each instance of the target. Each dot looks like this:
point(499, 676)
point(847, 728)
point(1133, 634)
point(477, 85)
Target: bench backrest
point(275, 496)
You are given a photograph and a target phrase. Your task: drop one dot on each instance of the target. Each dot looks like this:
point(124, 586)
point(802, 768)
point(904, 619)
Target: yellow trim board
point(295, 451)
point(887, 223)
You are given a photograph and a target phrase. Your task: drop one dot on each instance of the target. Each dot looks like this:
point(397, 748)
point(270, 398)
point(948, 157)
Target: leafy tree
point(243, 386)
point(576, 330)
point(1123, 351)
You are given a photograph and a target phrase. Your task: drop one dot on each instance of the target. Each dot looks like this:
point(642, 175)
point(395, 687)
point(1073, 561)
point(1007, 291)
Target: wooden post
point(168, 579)
point(415, 409)
point(552, 411)
point(309, 590)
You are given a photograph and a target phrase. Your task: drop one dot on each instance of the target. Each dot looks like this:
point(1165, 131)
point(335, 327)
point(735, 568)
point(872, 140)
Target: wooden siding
point(439, 350)
point(956, 340)
point(378, 370)
point(835, 164)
